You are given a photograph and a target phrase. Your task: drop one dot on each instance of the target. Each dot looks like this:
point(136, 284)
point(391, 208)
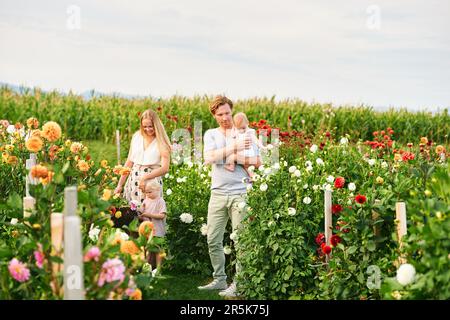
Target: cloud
point(318, 50)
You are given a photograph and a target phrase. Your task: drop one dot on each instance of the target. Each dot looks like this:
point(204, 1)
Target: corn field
point(99, 118)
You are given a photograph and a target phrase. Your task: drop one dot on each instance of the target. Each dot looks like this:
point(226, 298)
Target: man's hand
point(240, 145)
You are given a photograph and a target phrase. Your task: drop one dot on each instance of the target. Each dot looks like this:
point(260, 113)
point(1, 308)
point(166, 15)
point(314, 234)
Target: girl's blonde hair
point(152, 184)
point(160, 131)
point(240, 118)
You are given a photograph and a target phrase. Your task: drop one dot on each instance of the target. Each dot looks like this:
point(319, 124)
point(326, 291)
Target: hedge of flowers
point(115, 262)
point(282, 246)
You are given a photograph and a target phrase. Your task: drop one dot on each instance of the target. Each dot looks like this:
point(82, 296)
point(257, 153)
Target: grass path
point(181, 286)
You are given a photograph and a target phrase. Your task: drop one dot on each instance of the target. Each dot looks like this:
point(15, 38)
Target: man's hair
point(219, 101)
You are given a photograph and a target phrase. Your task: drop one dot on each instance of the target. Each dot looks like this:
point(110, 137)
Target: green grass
point(100, 150)
point(180, 286)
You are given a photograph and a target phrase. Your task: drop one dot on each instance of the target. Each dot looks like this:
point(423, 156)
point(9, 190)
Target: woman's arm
point(124, 177)
point(165, 161)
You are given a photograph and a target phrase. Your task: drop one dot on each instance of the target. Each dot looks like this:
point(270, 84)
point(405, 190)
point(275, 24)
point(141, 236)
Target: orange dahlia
point(34, 144)
point(51, 131)
point(146, 228)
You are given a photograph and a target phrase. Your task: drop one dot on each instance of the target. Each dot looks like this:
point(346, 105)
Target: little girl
point(154, 209)
point(241, 131)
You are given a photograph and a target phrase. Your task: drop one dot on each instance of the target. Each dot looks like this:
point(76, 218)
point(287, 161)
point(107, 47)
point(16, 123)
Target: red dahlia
point(339, 182)
point(320, 239)
point(336, 208)
point(335, 239)
point(326, 249)
point(360, 199)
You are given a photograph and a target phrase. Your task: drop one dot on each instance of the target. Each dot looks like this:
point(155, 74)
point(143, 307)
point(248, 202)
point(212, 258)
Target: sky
point(380, 53)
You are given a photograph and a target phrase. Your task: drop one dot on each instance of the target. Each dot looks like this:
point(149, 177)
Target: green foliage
point(427, 244)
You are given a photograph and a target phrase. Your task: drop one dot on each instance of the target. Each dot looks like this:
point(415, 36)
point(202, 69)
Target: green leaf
point(15, 201)
point(371, 246)
point(288, 273)
point(66, 166)
point(275, 246)
point(352, 250)
point(143, 281)
point(5, 253)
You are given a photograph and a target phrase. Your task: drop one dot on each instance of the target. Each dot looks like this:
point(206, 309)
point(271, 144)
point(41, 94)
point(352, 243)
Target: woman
point(148, 158)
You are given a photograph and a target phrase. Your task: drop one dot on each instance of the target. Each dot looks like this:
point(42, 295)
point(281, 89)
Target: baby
point(154, 209)
point(241, 130)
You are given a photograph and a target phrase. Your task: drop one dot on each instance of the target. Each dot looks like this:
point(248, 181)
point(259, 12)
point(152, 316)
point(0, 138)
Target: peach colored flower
point(83, 166)
point(125, 171)
point(107, 193)
point(34, 144)
point(440, 149)
point(76, 147)
point(116, 169)
point(51, 131)
point(13, 160)
point(4, 123)
point(5, 157)
point(424, 140)
point(53, 151)
point(146, 228)
point(136, 295)
point(32, 123)
point(129, 247)
point(39, 171)
point(48, 179)
point(104, 164)
point(36, 133)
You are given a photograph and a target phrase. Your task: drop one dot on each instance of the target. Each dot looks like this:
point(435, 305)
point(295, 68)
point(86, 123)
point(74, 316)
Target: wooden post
point(118, 146)
point(28, 206)
point(375, 216)
point(73, 250)
point(328, 219)
point(400, 217)
point(28, 201)
point(57, 228)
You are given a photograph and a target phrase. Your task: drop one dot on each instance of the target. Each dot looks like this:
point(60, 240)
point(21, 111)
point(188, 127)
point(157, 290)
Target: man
point(228, 189)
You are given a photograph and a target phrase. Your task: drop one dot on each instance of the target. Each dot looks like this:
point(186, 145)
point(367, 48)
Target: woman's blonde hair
point(160, 131)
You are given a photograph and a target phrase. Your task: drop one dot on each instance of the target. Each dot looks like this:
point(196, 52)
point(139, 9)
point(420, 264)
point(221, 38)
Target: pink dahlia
point(18, 270)
point(112, 270)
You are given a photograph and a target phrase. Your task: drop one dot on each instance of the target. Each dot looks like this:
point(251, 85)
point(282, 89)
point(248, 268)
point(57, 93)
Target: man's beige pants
point(221, 207)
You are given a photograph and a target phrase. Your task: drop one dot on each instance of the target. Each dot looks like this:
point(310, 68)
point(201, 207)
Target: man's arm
point(219, 155)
